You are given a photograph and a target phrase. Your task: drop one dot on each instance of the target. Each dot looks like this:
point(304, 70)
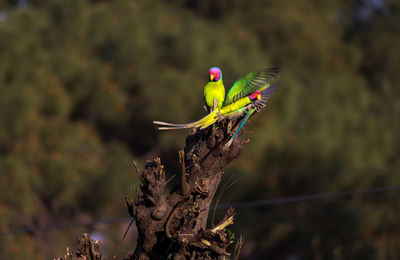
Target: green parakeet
point(214, 90)
point(247, 95)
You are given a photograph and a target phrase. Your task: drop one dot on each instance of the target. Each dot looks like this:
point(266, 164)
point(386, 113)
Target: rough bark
point(173, 225)
point(87, 249)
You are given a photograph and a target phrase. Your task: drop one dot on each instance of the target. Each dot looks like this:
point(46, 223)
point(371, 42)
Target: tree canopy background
point(82, 81)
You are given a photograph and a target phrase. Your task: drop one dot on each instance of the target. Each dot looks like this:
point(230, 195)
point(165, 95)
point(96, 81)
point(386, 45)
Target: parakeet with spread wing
point(248, 94)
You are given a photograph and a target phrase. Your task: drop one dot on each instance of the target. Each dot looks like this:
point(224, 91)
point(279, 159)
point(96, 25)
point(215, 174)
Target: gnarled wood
point(173, 225)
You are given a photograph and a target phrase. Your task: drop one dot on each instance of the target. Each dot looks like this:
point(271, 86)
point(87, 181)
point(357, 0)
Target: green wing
point(250, 83)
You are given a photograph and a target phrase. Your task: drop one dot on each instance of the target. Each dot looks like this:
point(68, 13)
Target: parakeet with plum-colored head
point(214, 90)
point(248, 94)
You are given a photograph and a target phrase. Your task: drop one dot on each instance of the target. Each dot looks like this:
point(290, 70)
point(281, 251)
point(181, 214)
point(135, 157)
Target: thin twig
point(224, 188)
point(238, 247)
point(126, 231)
point(170, 179)
point(136, 167)
point(223, 225)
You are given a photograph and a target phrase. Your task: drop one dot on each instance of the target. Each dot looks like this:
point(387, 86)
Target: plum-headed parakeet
point(214, 90)
point(248, 94)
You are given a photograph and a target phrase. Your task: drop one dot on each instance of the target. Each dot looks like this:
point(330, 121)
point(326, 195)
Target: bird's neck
point(216, 83)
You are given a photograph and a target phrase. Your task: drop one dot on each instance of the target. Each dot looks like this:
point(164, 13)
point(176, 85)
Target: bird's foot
point(215, 104)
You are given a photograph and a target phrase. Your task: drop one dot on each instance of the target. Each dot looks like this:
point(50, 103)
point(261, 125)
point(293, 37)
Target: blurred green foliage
point(81, 82)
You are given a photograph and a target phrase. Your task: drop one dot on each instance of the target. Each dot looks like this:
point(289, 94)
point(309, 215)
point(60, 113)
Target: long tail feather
point(251, 111)
point(208, 120)
point(170, 126)
point(167, 124)
point(211, 120)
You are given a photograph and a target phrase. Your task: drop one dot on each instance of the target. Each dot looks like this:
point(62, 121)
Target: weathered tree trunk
point(173, 225)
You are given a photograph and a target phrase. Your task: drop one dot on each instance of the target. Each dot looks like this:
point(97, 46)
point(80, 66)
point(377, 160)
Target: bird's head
point(215, 74)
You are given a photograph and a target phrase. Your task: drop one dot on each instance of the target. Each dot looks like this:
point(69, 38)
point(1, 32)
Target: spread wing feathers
point(266, 95)
point(258, 104)
point(250, 83)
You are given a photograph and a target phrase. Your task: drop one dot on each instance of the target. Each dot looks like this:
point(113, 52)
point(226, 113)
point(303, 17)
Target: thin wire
point(308, 197)
point(248, 204)
point(28, 230)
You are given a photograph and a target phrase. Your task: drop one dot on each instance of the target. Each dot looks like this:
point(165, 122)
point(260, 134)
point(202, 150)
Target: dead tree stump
point(172, 225)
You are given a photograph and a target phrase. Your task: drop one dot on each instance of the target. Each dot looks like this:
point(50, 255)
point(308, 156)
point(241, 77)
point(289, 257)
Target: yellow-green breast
point(214, 90)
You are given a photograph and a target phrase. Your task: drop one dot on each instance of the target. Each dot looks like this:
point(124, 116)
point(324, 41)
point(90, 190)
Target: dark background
point(82, 81)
